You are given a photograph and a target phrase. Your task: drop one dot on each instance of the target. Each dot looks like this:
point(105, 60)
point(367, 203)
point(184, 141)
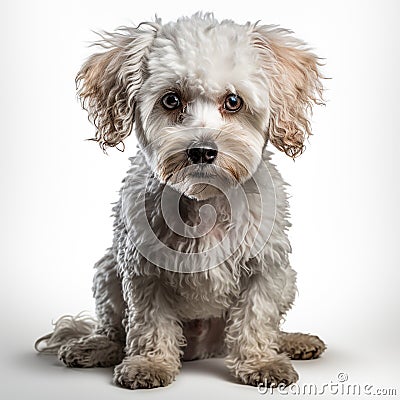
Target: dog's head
point(205, 96)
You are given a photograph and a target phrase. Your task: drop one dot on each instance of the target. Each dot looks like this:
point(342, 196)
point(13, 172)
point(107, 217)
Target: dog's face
point(203, 109)
point(205, 97)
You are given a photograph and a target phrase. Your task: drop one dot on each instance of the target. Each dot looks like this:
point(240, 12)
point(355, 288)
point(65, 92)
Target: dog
point(199, 264)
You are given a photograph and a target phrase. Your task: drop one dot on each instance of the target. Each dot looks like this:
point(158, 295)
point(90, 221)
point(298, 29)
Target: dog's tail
point(65, 328)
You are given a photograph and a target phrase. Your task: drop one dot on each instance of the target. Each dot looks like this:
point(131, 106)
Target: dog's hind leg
point(301, 346)
point(82, 341)
point(110, 305)
point(94, 350)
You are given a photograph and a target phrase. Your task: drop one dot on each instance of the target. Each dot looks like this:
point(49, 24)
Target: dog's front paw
point(275, 372)
point(140, 372)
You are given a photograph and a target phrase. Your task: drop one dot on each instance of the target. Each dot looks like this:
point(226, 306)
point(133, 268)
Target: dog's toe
point(301, 346)
point(91, 351)
point(139, 372)
point(270, 373)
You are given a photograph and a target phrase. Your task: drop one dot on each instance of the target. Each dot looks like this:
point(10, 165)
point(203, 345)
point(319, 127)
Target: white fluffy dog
point(199, 263)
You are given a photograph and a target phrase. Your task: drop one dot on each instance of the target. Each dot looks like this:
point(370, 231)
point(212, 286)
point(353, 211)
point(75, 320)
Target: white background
point(56, 191)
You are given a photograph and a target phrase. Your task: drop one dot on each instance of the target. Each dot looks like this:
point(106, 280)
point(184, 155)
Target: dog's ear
point(108, 82)
point(294, 82)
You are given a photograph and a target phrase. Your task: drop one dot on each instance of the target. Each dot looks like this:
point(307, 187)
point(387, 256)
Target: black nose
point(199, 155)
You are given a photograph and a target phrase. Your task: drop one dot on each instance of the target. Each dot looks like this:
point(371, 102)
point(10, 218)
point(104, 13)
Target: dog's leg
point(252, 337)
point(110, 305)
point(301, 346)
point(154, 336)
point(103, 347)
point(298, 346)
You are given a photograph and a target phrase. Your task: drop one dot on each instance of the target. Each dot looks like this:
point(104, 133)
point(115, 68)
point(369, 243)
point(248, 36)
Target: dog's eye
point(171, 101)
point(233, 103)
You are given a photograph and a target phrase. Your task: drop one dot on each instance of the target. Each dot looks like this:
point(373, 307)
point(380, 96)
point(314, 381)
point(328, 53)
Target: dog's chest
point(197, 227)
point(204, 294)
point(185, 235)
point(209, 284)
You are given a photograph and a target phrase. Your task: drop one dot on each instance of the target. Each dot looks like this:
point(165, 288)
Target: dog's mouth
point(201, 174)
point(202, 171)
point(200, 181)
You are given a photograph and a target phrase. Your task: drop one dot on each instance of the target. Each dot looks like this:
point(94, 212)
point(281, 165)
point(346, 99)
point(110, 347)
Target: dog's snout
point(202, 155)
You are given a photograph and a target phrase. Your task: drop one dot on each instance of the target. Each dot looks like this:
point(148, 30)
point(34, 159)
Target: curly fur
point(198, 267)
point(66, 328)
point(295, 85)
point(108, 82)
